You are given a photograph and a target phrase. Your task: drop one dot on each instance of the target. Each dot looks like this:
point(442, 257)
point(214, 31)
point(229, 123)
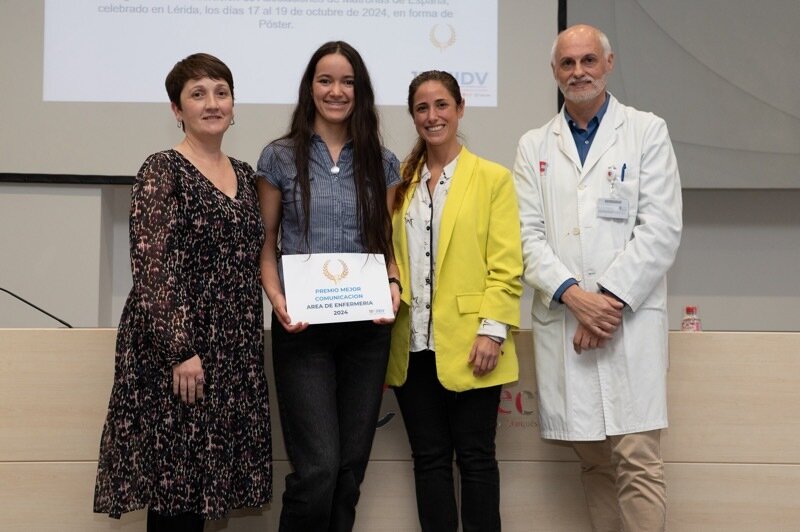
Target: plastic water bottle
point(690, 320)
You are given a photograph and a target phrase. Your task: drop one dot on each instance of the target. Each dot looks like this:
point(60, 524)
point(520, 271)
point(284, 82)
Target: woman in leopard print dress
point(188, 428)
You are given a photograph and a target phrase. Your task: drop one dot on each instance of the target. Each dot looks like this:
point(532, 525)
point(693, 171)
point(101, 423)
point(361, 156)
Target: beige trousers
point(623, 479)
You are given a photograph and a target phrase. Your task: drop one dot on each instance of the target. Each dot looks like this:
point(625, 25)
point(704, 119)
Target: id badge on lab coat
point(613, 208)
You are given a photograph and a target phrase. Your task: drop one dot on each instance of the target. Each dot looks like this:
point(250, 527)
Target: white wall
point(739, 260)
point(55, 253)
point(718, 72)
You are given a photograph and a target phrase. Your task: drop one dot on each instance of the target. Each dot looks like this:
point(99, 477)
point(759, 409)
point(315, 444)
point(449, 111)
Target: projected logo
point(473, 83)
point(443, 36)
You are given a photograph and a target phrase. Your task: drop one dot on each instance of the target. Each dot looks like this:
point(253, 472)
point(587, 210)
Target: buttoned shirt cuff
point(493, 328)
point(563, 288)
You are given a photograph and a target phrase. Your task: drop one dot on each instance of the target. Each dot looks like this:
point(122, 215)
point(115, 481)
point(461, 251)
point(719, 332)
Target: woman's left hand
point(484, 355)
point(187, 380)
point(395, 291)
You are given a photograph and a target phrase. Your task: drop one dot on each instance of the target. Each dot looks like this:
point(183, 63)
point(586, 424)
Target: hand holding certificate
point(336, 287)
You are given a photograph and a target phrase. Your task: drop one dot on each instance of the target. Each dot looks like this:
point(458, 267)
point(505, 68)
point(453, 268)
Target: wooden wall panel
point(57, 496)
point(734, 397)
point(536, 496)
point(54, 390)
point(542, 497)
point(547, 496)
point(733, 497)
point(732, 460)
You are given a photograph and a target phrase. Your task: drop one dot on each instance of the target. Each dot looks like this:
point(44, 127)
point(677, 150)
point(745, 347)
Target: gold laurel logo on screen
point(446, 43)
point(335, 277)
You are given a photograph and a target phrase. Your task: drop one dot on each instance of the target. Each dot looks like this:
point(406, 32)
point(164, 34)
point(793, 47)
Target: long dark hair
point(370, 179)
point(418, 155)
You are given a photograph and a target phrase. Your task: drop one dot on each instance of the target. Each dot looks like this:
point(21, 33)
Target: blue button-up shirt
point(584, 137)
point(333, 208)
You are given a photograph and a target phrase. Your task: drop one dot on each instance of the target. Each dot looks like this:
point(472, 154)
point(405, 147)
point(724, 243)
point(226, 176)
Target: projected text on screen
point(121, 50)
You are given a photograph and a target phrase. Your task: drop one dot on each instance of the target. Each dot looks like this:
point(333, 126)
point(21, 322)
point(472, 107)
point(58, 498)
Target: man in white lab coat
point(600, 206)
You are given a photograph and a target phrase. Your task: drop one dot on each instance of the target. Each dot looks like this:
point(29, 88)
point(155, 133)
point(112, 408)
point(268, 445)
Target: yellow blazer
point(477, 274)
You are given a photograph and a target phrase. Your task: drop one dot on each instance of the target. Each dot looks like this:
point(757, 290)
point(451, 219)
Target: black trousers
point(329, 380)
point(186, 522)
point(440, 422)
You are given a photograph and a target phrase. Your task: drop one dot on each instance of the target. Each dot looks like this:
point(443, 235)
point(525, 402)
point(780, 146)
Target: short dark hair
point(194, 67)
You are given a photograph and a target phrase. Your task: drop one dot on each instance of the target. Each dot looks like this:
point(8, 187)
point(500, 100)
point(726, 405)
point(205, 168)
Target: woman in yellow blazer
point(457, 245)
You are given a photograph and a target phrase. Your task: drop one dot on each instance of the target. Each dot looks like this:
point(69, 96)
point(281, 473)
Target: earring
point(180, 124)
point(233, 121)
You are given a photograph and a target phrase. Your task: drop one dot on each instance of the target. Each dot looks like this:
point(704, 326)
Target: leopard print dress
point(196, 290)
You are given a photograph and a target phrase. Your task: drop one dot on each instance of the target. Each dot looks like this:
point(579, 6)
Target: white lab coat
point(621, 388)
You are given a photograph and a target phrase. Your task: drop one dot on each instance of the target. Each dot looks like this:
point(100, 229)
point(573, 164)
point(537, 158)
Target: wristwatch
point(396, 281)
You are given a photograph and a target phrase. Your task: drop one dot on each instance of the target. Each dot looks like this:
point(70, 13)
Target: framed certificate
point(336, 287)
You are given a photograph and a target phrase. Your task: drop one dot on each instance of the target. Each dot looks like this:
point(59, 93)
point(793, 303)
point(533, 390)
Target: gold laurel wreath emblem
point(442, 45)
point(333, 276)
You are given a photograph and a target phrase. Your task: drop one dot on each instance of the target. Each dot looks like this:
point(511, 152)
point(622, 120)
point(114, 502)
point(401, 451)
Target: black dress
point(196, 290)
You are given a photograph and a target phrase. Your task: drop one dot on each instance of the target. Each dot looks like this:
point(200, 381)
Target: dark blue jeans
point(329, 380)
point(440, 422)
